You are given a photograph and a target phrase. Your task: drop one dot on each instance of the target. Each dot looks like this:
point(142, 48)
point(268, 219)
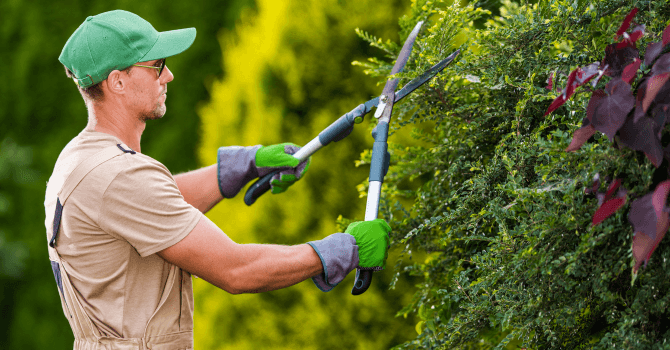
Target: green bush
point(495, 200)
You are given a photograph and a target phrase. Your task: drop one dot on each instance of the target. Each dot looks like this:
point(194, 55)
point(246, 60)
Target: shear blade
point(392, 84)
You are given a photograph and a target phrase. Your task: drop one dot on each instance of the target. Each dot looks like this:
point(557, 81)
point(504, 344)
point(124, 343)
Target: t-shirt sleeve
point(143, 205)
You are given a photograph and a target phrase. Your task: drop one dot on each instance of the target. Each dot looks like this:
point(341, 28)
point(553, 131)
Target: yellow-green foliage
point(288, 75)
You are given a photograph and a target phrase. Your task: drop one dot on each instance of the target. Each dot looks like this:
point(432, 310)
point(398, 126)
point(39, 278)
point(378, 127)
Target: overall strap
point(89, 164)
point(78, 174)
point(81, 325)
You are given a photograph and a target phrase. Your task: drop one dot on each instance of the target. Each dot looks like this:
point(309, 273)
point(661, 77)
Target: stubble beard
point(156, 114)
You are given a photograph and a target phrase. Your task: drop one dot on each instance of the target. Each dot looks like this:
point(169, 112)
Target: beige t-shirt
point(113, 223)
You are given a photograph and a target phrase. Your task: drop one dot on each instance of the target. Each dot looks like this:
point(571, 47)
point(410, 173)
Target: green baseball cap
point(116, 40)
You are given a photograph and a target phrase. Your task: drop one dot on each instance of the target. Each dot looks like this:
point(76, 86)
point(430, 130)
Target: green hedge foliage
point(500, 207)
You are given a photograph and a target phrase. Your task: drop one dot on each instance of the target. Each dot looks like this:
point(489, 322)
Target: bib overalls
point(173, 300)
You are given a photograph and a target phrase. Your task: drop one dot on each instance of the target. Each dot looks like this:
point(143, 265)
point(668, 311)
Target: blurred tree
point(42, 110)
point(289, 75)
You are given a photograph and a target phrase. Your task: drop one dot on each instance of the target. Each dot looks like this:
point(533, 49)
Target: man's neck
point(117, 123)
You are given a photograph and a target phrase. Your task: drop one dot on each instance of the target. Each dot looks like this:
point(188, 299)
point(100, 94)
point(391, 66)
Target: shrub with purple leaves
point(636, 115)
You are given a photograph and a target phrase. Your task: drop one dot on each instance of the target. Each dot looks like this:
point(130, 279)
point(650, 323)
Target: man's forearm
point(272, 267)
point(200, 188)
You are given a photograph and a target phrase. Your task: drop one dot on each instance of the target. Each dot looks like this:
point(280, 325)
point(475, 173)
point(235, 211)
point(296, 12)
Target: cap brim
point(170, 43)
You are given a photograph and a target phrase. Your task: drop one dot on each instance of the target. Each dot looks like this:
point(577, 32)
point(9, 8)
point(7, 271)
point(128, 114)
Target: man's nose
point(167, 75)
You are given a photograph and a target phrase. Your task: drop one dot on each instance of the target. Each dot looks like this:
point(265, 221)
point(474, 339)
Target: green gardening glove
point(372, 239)
point(279, 157)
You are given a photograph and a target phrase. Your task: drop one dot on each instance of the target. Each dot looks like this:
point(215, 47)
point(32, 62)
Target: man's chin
point(156, 114)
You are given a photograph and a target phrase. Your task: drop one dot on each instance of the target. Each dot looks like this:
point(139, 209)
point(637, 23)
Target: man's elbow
point(230, 283)
point(234, 291)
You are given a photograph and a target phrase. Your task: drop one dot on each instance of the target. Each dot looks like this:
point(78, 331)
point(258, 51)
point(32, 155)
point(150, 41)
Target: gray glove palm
point(364, 245)
point(237, 165)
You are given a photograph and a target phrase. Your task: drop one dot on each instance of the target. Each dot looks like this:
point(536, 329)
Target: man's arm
point(241, 268)
point(235, 167)
point(200, 188)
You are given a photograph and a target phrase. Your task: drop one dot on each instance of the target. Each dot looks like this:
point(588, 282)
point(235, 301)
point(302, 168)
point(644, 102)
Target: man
point(125, 236)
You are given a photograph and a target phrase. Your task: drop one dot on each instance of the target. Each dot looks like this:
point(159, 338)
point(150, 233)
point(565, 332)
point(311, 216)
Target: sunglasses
point(160, 68)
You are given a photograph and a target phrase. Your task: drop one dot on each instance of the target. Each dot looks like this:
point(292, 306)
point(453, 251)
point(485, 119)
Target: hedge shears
point(343, 126)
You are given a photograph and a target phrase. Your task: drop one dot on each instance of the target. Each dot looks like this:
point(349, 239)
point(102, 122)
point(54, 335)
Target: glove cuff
point(339, 256)
point(235, 168)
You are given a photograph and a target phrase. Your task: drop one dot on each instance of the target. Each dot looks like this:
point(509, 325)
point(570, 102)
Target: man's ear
point(116, 82)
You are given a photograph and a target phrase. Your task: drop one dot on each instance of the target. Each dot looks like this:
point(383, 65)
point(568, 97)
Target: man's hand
point(278, 157)
point(372, 239)
point(236, 166)
point(364, 245)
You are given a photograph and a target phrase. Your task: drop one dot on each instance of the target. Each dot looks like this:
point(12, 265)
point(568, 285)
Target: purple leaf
point(610, 114)
point(663, 96)
point(580, 136)
point(666, 155)
point(626, 42)
point(610, 203)
point(577, 78)
point(618, 58)
point(637, 33)
point(650, 222)
point(639, 112)
point(640, 136)
point(571, 86)
point(550, 81)
point(662, 65)
point(666, 35)
point(642, 215)
point(596, 99)
point(653, 49)
point(613, 187)
point(630, 39)
point(626, 21)
point(630, 71)
point(587, 73)
point(607, 209)
point(653, 87)
point(559, 101)
point(659, 115)
point(595, 81)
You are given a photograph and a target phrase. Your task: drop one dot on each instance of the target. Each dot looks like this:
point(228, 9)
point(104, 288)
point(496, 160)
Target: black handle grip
point(363, 280)
point(258, 188)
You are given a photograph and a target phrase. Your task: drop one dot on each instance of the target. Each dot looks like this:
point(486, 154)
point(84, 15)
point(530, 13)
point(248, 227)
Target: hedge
point(506, 214)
